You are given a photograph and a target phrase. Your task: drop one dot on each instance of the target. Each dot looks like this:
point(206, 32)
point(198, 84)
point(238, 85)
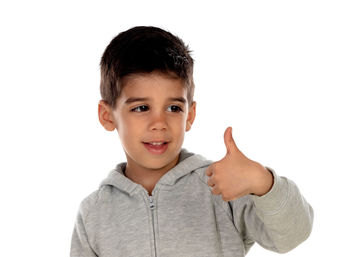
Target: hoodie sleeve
point(279, 220)
point(80, 245)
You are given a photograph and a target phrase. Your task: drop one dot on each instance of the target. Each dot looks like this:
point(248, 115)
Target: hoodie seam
point(91, 205)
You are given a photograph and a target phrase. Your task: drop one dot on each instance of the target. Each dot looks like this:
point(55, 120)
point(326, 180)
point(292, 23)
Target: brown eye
point(175, 108)
point(141, 108)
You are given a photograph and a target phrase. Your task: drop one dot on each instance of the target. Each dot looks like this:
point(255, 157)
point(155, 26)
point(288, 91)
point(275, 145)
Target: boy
point(165, 200)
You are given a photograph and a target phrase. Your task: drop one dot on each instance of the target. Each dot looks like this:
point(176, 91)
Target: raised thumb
point(229, 142)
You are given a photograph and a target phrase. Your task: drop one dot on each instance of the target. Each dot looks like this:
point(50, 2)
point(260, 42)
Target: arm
point(80, 246)
point(266, 208)
point(279, 220)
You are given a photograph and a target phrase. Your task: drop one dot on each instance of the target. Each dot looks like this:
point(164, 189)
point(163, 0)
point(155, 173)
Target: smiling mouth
point(156, 143)
point(156, 147)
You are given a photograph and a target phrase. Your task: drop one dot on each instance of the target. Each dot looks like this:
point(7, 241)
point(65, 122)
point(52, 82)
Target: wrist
point(263, 181)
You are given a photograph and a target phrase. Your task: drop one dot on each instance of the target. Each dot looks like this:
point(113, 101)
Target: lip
point(157, 141)
point(156, 149)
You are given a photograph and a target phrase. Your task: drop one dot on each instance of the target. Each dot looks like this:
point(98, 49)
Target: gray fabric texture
point(183, 218)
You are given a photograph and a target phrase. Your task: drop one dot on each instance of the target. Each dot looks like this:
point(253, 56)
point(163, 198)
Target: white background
point(276, 71)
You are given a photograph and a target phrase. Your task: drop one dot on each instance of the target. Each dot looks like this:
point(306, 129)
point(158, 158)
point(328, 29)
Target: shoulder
point(92, 201)
point(88, 203)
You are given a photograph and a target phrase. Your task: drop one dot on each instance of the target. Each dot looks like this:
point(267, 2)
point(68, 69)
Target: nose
point(158, 121)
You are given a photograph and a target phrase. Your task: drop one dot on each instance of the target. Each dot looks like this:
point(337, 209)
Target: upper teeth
point(154, 143)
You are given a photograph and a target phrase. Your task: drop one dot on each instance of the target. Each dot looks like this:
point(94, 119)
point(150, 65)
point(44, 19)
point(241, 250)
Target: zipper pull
point(151, 203)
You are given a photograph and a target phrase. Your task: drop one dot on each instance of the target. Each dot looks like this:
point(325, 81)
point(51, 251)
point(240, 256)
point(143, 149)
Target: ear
point(191, 116)
point(105, 116)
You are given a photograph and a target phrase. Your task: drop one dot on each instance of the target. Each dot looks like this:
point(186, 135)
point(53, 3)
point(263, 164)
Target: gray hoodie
point(183, 218)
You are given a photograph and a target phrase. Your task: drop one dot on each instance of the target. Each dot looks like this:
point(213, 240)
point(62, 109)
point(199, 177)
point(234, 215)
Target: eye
point(175, 108)
point(141, 108)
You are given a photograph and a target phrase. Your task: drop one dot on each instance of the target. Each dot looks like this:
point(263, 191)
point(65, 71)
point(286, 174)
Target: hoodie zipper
point(151, 205)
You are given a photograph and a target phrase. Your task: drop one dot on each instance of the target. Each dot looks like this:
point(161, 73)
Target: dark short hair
point(140, 50)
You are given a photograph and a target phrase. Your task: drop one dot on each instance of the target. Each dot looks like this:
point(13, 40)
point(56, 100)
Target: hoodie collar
point(188, 162)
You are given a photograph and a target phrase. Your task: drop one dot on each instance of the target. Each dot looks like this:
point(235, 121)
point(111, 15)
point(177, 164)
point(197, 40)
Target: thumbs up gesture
point(235, 175)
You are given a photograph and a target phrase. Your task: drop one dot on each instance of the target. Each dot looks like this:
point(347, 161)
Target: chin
point(156, 164)
point(159, 162)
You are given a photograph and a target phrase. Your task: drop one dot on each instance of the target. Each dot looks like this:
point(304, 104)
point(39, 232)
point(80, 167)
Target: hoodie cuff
point(274, 200)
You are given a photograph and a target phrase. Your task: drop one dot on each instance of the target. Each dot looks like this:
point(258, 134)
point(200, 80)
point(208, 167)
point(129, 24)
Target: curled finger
point(215, 190)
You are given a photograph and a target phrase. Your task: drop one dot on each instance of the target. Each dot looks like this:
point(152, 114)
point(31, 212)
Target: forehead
point(154, 83)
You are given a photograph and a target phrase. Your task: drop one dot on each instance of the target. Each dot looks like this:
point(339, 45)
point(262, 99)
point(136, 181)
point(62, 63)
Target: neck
point(146, 177)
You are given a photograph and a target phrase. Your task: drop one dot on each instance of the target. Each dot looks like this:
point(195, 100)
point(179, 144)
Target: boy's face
point(160, 117)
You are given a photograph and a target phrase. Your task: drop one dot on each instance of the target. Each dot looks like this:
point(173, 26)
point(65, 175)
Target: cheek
point(178, 125)
point(183, 122)
point(129, 129)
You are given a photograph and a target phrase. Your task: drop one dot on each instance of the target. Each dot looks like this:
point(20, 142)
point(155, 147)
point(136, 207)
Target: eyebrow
point(139, 99)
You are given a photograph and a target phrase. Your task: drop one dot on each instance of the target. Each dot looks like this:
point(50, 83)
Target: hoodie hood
point(188, 162)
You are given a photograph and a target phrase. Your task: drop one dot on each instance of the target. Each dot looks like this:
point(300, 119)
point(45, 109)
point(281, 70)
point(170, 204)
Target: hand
point(235, 175)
